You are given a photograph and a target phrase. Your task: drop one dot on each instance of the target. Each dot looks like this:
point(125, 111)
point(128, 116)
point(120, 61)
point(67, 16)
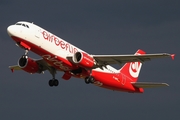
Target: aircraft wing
point(148, 84)
point(44, 66)
point(120, 59)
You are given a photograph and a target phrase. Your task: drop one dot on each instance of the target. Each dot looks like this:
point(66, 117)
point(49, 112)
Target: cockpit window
point(27, 26)
point(22, 24)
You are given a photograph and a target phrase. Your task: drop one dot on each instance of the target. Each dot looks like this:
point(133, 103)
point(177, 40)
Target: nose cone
point(11, 30)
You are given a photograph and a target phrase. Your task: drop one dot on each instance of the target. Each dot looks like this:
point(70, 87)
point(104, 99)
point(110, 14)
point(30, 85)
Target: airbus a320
point(59, 55)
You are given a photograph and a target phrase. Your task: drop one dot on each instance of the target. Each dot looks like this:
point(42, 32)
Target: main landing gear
point(89, 79)
point(53, 82)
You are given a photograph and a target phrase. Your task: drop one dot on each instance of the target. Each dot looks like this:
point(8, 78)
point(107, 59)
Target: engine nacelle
point(84, 60)
point(29, 65)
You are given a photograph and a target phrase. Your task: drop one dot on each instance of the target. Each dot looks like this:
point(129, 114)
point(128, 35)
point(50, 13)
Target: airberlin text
point(59, 42)
point(56, 62)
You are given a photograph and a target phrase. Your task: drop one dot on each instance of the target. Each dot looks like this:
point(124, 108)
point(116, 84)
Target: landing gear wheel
point(53, 82)
point(56, 82)
point(89, 80)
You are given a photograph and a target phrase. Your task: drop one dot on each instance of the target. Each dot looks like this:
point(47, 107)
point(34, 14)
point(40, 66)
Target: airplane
point(59, 55)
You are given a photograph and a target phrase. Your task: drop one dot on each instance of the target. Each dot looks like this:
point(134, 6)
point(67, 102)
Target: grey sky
point(98, 27)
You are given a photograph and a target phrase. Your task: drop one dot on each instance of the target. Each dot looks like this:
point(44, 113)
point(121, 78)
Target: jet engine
point(84, 60)
point(29, 65)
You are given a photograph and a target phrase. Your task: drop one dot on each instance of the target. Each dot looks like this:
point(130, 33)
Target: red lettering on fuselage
point(59, 42)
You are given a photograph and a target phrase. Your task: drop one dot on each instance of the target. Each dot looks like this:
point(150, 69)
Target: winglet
point(172, 56)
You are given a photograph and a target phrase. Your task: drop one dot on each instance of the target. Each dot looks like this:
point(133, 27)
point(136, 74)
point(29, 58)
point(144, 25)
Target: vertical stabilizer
point(132, 69)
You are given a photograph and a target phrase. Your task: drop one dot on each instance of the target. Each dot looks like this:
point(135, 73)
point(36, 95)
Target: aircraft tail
point(132, 69)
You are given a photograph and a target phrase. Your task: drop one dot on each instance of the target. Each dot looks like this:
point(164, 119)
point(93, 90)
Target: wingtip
point(165, 84)
point(172, 56)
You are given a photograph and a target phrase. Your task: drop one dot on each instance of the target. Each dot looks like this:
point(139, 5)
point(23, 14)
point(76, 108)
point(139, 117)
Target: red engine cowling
point(84, 60)
point(29, 65)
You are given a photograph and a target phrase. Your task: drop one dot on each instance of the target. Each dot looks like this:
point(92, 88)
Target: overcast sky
point(98, 27)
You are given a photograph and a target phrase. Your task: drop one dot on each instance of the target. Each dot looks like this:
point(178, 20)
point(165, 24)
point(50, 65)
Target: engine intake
point(84, 60)
point(29, 65)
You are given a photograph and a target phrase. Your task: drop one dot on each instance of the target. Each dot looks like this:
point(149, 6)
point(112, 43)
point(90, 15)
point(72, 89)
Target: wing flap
point(148, 84)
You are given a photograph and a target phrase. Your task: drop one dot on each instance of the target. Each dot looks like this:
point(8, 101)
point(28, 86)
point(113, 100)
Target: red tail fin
point(132, 69)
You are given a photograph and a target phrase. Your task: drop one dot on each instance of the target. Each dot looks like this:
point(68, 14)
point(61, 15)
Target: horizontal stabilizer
point(148, 84)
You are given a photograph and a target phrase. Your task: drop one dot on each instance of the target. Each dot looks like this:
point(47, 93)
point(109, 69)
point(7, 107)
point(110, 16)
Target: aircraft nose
point(11, 30)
